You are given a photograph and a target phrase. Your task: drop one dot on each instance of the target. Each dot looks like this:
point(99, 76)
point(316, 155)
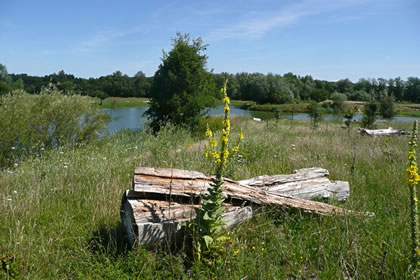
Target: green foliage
point(4, 88)
point(315, 113)
point(386, 106)
point(9, 269)
point(338, 101)
point(369, 114)
point(181, 88)
point(349, 115)
point(359, 95)
point(30, 124)
point(319, 95)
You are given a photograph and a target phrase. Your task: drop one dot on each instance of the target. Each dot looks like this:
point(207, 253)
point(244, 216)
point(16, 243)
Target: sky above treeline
point(328, 39)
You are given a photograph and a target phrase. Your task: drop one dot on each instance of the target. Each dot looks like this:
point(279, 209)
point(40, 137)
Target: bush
point(386, 106)
point(29, 124)
point(369, 114)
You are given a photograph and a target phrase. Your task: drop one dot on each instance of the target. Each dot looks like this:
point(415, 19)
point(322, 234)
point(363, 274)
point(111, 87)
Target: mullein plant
point(412, 180)
point(208, 228)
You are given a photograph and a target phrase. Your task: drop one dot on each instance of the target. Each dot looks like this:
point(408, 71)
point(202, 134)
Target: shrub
point(386, 106)
point(369, 114)
point(29, 124)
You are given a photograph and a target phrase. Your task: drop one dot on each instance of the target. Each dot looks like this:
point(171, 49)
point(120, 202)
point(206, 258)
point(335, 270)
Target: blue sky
point(328, 39)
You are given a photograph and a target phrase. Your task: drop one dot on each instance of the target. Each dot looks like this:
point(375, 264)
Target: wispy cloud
point(260, 22)
point(99, 40)
point(103, 38)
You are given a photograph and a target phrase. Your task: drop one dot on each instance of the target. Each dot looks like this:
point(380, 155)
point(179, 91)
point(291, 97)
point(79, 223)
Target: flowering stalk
point(208, 225)
point(412, 180)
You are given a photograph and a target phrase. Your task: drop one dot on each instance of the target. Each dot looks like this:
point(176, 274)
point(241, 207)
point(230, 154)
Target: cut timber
point(149, 222)
point(383, 132)
point(306, 183)
point(162, 199)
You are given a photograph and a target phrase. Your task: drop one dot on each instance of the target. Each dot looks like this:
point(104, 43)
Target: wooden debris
point(383, 132)
point(306, 183)
point(162, 199)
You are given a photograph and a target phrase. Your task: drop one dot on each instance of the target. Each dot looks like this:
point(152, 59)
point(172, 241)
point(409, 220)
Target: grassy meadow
point(60, 212)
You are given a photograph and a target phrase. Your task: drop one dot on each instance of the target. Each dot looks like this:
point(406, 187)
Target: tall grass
point(60, 212)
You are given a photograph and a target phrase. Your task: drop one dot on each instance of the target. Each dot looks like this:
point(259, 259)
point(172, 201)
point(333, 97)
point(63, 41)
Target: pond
point(132, 118)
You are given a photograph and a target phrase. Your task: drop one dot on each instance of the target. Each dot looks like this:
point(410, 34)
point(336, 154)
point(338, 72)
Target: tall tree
point(182, 87)
point(141, 84)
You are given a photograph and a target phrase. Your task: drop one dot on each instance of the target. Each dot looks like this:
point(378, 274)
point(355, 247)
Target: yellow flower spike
point(226, 100)
point(226, 109)
point(225, 139)
point(209, 133)
point(412, 180)
point(225, 154)
point(206, 153)
point(241, 135)
point(235, 149)
point(410, 155)
point(213, 143)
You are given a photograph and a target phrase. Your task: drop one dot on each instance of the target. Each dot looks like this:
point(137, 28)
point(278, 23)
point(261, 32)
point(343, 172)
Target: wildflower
point(206, 153)
point(209, 133)
point(226, 123)
point(241, 135)
point(412, 175)
point(224, 139)
point(225, 154)
point(213, 143)
point(13, 148)
point(235, 149)
point(226, 100)
point(15, 165)
point(226, 109)
point(411, 155)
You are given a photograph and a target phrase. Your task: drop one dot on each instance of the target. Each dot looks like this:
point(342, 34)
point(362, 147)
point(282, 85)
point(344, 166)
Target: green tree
point(182, 87)
point(369, 114)
point(141, 84)
point(338, 101)
point(386, 106)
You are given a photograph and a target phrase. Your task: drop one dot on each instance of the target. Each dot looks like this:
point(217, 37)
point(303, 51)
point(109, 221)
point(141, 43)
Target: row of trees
point(261, 88)
point(117, 84)
point(270, 88)
point(277, 89)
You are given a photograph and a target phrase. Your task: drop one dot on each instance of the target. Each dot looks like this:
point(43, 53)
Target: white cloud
point(260, 22)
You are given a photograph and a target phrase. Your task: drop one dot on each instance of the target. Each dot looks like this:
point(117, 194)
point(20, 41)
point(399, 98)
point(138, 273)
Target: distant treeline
point(261, 88)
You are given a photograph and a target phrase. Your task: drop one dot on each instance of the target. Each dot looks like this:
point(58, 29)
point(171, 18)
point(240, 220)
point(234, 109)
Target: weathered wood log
point(149, 222)
point(162, 199)
point(306, 183)
point(383, 132)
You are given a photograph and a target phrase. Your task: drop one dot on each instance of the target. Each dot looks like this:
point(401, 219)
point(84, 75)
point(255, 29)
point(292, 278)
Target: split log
point(162, 199)
point(306, 183)
point(383, 132)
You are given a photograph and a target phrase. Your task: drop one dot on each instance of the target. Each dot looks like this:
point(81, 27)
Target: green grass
point(60, 212)
point(124, 102)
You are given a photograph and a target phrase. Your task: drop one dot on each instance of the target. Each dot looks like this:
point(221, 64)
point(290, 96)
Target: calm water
point(132, 118)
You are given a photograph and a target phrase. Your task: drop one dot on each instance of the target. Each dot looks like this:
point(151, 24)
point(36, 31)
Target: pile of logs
point(162, 199)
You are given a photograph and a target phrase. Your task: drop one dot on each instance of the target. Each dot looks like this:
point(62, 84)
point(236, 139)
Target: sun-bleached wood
point(305, 183)
point(383, 132)
point(162, 199)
